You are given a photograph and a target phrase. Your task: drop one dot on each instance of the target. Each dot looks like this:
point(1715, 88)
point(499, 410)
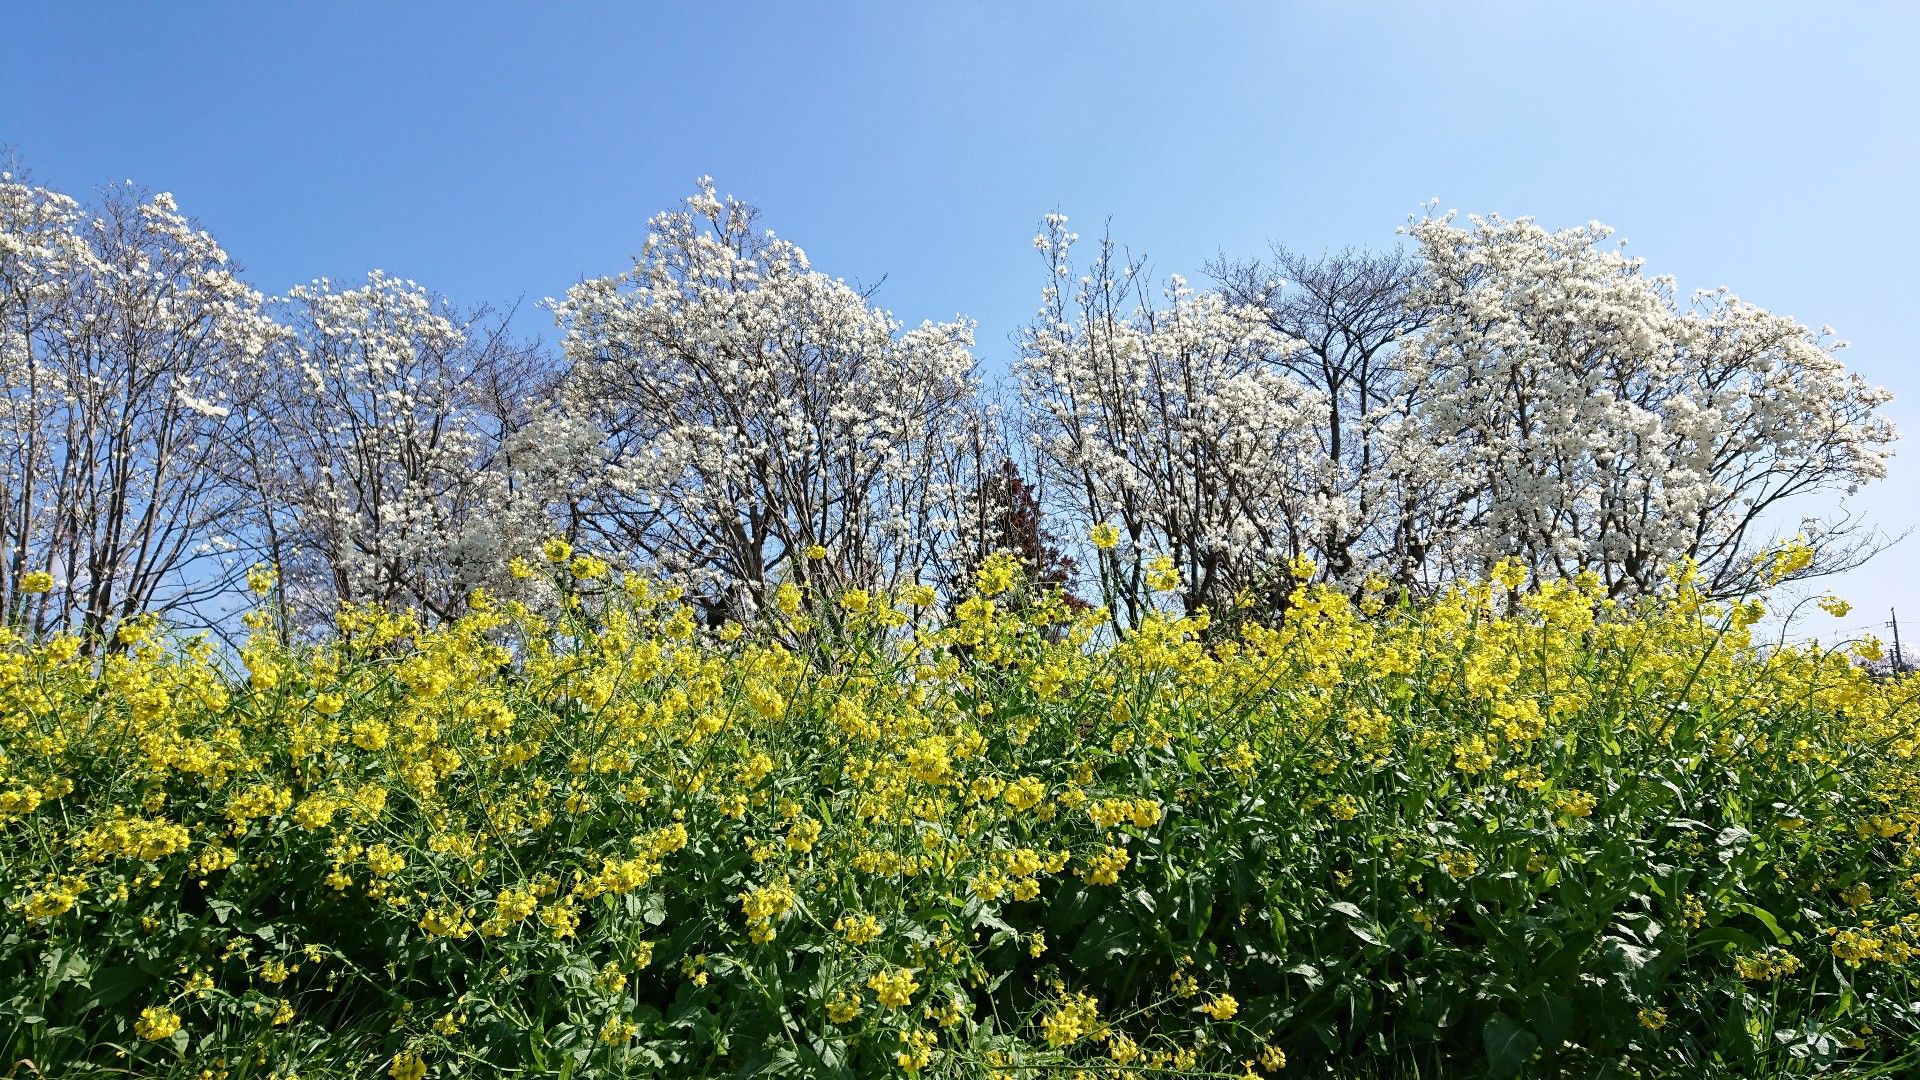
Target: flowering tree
point(1384, 494)
point(756, 410)
point(1595, 422)
point(735, 418)
point(126, 346)
point(377, 437)
point(1178, 425)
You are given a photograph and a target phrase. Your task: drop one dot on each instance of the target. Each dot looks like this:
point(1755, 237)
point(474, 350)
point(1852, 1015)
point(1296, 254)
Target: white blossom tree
point(1178, 424)
point(756, 410)
point(733, 417)
point(1385, 495)
point(378, 440)
point(127, 344)
point(1596, 422)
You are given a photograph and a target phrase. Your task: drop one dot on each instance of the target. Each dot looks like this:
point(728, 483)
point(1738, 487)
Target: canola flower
point(997, 844)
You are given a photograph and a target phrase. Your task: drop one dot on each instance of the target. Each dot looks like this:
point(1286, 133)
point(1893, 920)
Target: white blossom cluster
point(377, 438)
point(727, 415)
point(1178, 424)
point(126, 346)
point(756, 409)
point(1593, 421)
point(1518, 391)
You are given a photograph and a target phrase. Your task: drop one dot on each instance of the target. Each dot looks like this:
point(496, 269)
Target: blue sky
point(500, 152)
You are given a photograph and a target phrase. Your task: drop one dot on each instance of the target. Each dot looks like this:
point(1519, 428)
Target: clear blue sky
point(497, 152)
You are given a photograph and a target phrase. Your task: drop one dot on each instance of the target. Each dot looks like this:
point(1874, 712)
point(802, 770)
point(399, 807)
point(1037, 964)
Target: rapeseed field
point(1511, 829)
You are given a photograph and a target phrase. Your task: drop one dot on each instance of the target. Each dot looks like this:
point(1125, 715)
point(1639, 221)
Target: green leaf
point(655, 911)
point(1110, 938)
point(1551, 1017)
point(1510, 1046)
point(1767, 920)
point(113, 984)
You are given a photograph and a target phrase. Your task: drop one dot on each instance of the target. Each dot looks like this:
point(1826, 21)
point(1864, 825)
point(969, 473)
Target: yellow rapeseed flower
point(894, 989)
point(156, 1023)
point(1221, 1007)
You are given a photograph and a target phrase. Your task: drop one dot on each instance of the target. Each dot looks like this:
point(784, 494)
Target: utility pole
point(1899, 658)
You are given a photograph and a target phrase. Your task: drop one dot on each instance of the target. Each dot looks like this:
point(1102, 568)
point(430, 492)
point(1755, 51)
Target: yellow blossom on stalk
point(1509, 573)
point(916, 1050)
point(1162, 575)
point(1473, 755)
point(588, 568)
point(36, 581)
point(816, 551)
point(858, 929)
point(802, 834)
point(556, 550)
point(1771, 962)
point(407, 1065)
point(1075, 1017)
point(561, 919)
point(446, 920)
point(1459, 865)
point(1104, 868)
point(617, 1031)
point(787, 598)
point(997, 573)
point(856, 601)
point(1834, 606)
point(1692, 908)
point(1574, 804)
point(764, 906)
point(842, 1007)
point(1856, 946)
point(1025, 793)
point(261, 579)
point(894, 989)
point(1105, 536)
point(156, 1023)
point(1221, 1007)
point(1786, 560)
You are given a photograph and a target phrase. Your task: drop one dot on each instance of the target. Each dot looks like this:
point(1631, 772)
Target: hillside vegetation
point(1516, 830)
